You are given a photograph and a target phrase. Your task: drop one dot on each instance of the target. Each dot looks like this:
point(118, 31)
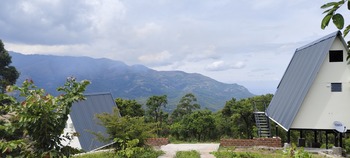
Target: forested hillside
point(123, 81)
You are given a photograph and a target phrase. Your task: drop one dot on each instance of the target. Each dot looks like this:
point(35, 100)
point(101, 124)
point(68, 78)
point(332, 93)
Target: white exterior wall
point(70, 129)
point(322, 107)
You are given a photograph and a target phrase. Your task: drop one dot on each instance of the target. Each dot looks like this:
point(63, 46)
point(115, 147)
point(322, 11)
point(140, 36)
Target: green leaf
point(346, 31)
point(338, 21)
point(327, 5)
point(325, 21)
point(326, 11)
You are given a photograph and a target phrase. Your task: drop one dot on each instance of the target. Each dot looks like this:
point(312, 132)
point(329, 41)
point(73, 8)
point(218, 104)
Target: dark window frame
point(336, 56)
point(336, 87)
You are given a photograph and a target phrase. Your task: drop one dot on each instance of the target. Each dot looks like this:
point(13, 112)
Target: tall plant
point(41, 117)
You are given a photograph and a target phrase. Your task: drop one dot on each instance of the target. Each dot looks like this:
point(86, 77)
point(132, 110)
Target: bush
point(294, 152)
point(230, 154)
point(187, 154)
point(347, 145)
point(146, 153)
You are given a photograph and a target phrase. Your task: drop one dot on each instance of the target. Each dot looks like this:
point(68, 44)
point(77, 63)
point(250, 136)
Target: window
point(336, 56)
point(336, 87)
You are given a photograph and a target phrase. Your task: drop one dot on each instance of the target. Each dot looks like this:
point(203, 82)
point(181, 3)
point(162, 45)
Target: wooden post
point(276, 130)
point(336, 139)
point(341, 140)
point(315, 136)
point(326, 139)
point(288, 137)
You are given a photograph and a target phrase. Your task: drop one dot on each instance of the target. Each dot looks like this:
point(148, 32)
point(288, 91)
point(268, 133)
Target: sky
point(249, 42)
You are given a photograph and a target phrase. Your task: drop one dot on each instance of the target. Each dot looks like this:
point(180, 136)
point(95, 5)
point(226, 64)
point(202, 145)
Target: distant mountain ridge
point(123, 81)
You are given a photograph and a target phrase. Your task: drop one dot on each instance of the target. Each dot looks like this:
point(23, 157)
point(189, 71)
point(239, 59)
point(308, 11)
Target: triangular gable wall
point(297, 80)
point(321, 107)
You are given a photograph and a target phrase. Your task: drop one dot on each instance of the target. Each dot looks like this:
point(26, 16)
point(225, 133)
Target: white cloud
point(223, 39)
point(222, 66)
point(156, 58)
point(148, 29)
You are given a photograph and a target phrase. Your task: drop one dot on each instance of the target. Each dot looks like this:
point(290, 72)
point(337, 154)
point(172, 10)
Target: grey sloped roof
point(84, 120)
point(297, 80)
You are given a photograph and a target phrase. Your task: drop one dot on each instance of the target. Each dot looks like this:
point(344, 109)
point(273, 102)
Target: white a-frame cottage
point(314, 93)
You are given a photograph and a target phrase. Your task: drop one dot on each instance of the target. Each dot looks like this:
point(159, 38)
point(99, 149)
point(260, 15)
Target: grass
point(96, 155)
point(187, 154)
point(257, 153)
point(112, 154)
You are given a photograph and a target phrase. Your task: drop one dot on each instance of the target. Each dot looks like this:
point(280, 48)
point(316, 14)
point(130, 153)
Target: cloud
point(59, 22)
point(161, 58)
point(220, 39)
point(222, 66)
point(208, 52)
point(148, 29)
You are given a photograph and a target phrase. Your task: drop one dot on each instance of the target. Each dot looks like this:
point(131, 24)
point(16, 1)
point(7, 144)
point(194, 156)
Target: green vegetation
point(129, 108)
point(8, 74)
point(128, 133)
point(295, 152)
point(263, 153)
point(229, 154)
point(155, 113)
point(331, 11)
point(147, 153)
point(102, 154)
point(187, 154)
point(36, 123)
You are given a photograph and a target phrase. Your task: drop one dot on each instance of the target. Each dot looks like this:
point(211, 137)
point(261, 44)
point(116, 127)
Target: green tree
point(225, 120)
point(8, 74)
point(331, 12)
point(128, 133)
point(243, 118)
point(126, 127)
point(129, 108)
point(40, 117)
point(186, 105)
point(241, 115)
point(155, 112)
point(199, 124)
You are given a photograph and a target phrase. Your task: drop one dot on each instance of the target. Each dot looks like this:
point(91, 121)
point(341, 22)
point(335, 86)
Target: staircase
point(263, 124)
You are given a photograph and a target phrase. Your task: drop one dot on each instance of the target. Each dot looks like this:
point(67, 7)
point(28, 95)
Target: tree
point(129, 108)
point(225, 122)
point(186, 105)
point(199, 125)
point(243, 118)
point(8, 74)
point(128, 133)
point(40, 117)
point(241, 115)
point(337, 18)
point(154, 111)
point(126, 127)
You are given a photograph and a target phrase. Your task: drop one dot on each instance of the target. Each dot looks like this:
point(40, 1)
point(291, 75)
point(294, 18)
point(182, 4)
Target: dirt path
point(204, 149)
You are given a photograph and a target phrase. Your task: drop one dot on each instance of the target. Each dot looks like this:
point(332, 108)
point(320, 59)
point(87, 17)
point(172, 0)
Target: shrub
point(230, 154)
point(187, 154)
point(294, 152)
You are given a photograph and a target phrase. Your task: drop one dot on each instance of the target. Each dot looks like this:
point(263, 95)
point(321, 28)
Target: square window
point(336, 87)
point(336, 56)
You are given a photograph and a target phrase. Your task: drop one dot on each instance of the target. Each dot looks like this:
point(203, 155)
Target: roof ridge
point(97, 93)
point(336, 33)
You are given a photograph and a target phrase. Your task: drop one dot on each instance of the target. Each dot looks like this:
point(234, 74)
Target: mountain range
point(123, 81)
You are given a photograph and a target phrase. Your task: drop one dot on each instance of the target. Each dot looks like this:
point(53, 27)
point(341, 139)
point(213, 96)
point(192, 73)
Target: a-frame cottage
point(82, 120)
point(314, 93)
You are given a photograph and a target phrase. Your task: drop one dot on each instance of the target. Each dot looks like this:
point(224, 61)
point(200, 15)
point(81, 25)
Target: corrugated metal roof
point(84, 120)
point(297, 80)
